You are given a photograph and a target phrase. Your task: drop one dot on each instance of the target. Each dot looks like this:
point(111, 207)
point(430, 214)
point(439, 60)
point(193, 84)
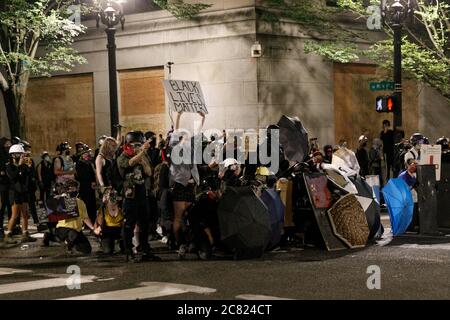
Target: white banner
point(431, 154)
point(185, 96)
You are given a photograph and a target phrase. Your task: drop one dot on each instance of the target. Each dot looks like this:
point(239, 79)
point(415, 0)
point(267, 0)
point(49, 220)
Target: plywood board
point(59, 109)
point(142, 99)
point(354, 103)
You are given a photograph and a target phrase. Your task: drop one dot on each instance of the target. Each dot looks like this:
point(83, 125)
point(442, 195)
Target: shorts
point(18, 197)
point(183, 193)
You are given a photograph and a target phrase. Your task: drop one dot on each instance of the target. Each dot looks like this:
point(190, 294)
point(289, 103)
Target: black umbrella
point(293, 138)
point(244, 222)
point(272, 200)
point(368, 201)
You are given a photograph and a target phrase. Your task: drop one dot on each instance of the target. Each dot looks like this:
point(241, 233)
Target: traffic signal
point(385, 104)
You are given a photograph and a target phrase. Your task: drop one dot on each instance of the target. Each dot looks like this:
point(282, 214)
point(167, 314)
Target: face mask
point(364, 145)
point(67, 153)
point(128, 150)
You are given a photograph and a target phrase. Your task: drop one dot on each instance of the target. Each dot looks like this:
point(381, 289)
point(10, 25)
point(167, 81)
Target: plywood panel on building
point(354, 103)
point(142, 99)
point(59, 109)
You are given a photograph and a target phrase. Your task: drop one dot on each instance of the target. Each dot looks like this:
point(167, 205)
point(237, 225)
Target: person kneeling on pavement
point(109, 222)
point(69, 231)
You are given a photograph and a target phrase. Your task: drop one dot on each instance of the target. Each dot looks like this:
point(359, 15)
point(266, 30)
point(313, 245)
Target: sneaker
point(182, 251)
point(26, 238)
point(46, 239)
point(42, 227)
point(8, 240)
point(150, 257)
point(165, 239)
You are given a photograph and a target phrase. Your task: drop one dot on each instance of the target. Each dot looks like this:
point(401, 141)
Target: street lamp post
point(396, 15)
point(111, 15)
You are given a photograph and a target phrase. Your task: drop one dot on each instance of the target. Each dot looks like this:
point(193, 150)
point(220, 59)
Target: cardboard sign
point(431, 154)
point(61, 208)
point(185, 96)
point(320, 197)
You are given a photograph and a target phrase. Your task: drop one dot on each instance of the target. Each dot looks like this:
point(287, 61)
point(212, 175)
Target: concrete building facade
point(333, 101)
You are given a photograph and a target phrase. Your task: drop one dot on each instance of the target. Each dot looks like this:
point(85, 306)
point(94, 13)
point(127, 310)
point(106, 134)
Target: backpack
point(156, 177)
point(115, 177)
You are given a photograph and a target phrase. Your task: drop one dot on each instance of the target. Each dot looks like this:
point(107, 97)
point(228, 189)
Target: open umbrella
point(349, 221)
point(244, 222)
point(400, 204)
point(371, 207)
point(272, 200)
point(293, 138)
point(345, 160)
point(339, 179)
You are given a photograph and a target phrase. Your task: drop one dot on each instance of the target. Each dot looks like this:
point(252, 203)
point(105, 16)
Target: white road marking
point(259, 297)
point(7, 271)
point(440, 246)
point(147, 290)
point(41, 284)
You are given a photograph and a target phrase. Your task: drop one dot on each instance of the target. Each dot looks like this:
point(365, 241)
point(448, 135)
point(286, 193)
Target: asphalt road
point(410, 267)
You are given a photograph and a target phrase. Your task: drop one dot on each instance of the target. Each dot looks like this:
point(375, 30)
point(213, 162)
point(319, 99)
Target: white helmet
point(16, 148)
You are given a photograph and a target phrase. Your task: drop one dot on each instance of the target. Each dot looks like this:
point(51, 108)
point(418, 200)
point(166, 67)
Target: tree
point(36, 38)
point(426, 46)
point(24, 26)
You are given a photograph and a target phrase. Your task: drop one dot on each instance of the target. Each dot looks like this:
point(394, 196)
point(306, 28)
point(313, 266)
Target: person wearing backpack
point(134, 165)
point(63, 166)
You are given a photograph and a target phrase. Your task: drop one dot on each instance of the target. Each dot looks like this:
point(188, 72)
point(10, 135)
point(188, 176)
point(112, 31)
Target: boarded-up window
point(60, 109)
point(354, 103)
point(142, 100)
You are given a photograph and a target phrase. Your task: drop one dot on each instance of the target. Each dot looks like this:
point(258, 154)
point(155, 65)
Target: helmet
point(417, 138)
point(79, 146)
point(263, 171)
point(63, 146)
point(44, 154)
point(362, 138)
point(25, 144)
point(85, 148)
point(134, 136)
point(16, 140)
point(150, 134)
point(444, 142)
point(16, 148)
point(102, 138)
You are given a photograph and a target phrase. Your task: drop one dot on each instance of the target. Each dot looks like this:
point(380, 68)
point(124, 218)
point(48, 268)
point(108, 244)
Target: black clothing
point(153, 155)
point(363, 160)
point(74, 239)
point(388, 149)
point(85, 174)
point(19, 177)
point(135, 205)
point(108, 239)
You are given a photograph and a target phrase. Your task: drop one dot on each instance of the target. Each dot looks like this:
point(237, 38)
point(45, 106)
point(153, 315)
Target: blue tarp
point(400, 205)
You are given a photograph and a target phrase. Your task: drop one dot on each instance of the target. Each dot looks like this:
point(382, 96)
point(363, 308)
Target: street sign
point(381, 86)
